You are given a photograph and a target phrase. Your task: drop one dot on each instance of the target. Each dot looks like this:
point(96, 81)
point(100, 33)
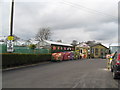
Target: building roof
point(83, 45)
point(115, 44)
point(1, 42)
point(3, 38)
point(34, 42)
point(106, 44)
point(20, 42)
point(57, 43)
point(99, 44)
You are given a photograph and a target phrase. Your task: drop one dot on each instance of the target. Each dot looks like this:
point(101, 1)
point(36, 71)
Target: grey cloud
point(67, 22)
point(107, 31)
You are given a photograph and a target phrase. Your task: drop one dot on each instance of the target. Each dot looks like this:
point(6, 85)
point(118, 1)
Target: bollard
point(108, 63)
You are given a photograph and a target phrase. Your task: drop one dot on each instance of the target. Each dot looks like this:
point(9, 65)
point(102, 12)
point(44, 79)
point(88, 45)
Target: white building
point(3, 39)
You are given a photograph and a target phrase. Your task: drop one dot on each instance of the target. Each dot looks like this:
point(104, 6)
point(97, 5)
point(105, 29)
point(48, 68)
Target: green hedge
point(12, 60)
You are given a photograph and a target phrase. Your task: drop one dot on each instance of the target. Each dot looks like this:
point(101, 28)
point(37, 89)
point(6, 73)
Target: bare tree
point(43, 34)
point(59, 40)
point(74, 42)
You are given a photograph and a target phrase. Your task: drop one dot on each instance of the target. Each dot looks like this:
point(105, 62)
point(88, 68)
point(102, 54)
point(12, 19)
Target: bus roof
point(57, 43)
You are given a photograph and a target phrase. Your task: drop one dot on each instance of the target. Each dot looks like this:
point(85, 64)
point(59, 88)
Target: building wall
point(83, 51)
point(99, 51)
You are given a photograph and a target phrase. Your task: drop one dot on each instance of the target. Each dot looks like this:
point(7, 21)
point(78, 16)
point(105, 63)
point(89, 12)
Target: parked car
point(115, 65)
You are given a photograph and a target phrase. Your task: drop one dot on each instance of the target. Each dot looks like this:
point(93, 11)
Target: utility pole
point(11, 22)
point(10, 38)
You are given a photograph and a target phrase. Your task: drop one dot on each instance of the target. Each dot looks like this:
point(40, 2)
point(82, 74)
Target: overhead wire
point(78, 6)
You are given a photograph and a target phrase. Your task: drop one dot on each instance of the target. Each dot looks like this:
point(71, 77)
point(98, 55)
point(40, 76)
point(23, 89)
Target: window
point(58, 48)
point(92, 50)
point(81, 51)
point(96, 51)
point(54, 47)
point(68, 48)
point(101, 50)
point(72, 48)
point(64, 48)
point(77, 48)
point(61, 48)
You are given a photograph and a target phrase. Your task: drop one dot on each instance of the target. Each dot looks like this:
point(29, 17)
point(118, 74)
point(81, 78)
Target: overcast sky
point(80, 20)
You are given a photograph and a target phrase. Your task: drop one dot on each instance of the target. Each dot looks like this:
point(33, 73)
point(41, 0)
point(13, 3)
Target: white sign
point(10, 46)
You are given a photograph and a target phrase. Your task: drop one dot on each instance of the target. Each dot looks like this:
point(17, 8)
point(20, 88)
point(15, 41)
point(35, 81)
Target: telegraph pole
point(11, 22)
point(10, 38)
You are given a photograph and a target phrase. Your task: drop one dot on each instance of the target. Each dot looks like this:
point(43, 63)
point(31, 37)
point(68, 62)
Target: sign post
point(10, 44)
point(11, 38)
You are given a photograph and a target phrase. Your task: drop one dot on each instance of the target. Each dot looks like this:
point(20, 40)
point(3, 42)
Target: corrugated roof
point(21, 42)
point(34, 42)
point(106, 44)
point(3, 38)
point(57, 43)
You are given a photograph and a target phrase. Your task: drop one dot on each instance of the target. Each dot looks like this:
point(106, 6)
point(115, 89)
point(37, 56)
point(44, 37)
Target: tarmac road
point(89, 73)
